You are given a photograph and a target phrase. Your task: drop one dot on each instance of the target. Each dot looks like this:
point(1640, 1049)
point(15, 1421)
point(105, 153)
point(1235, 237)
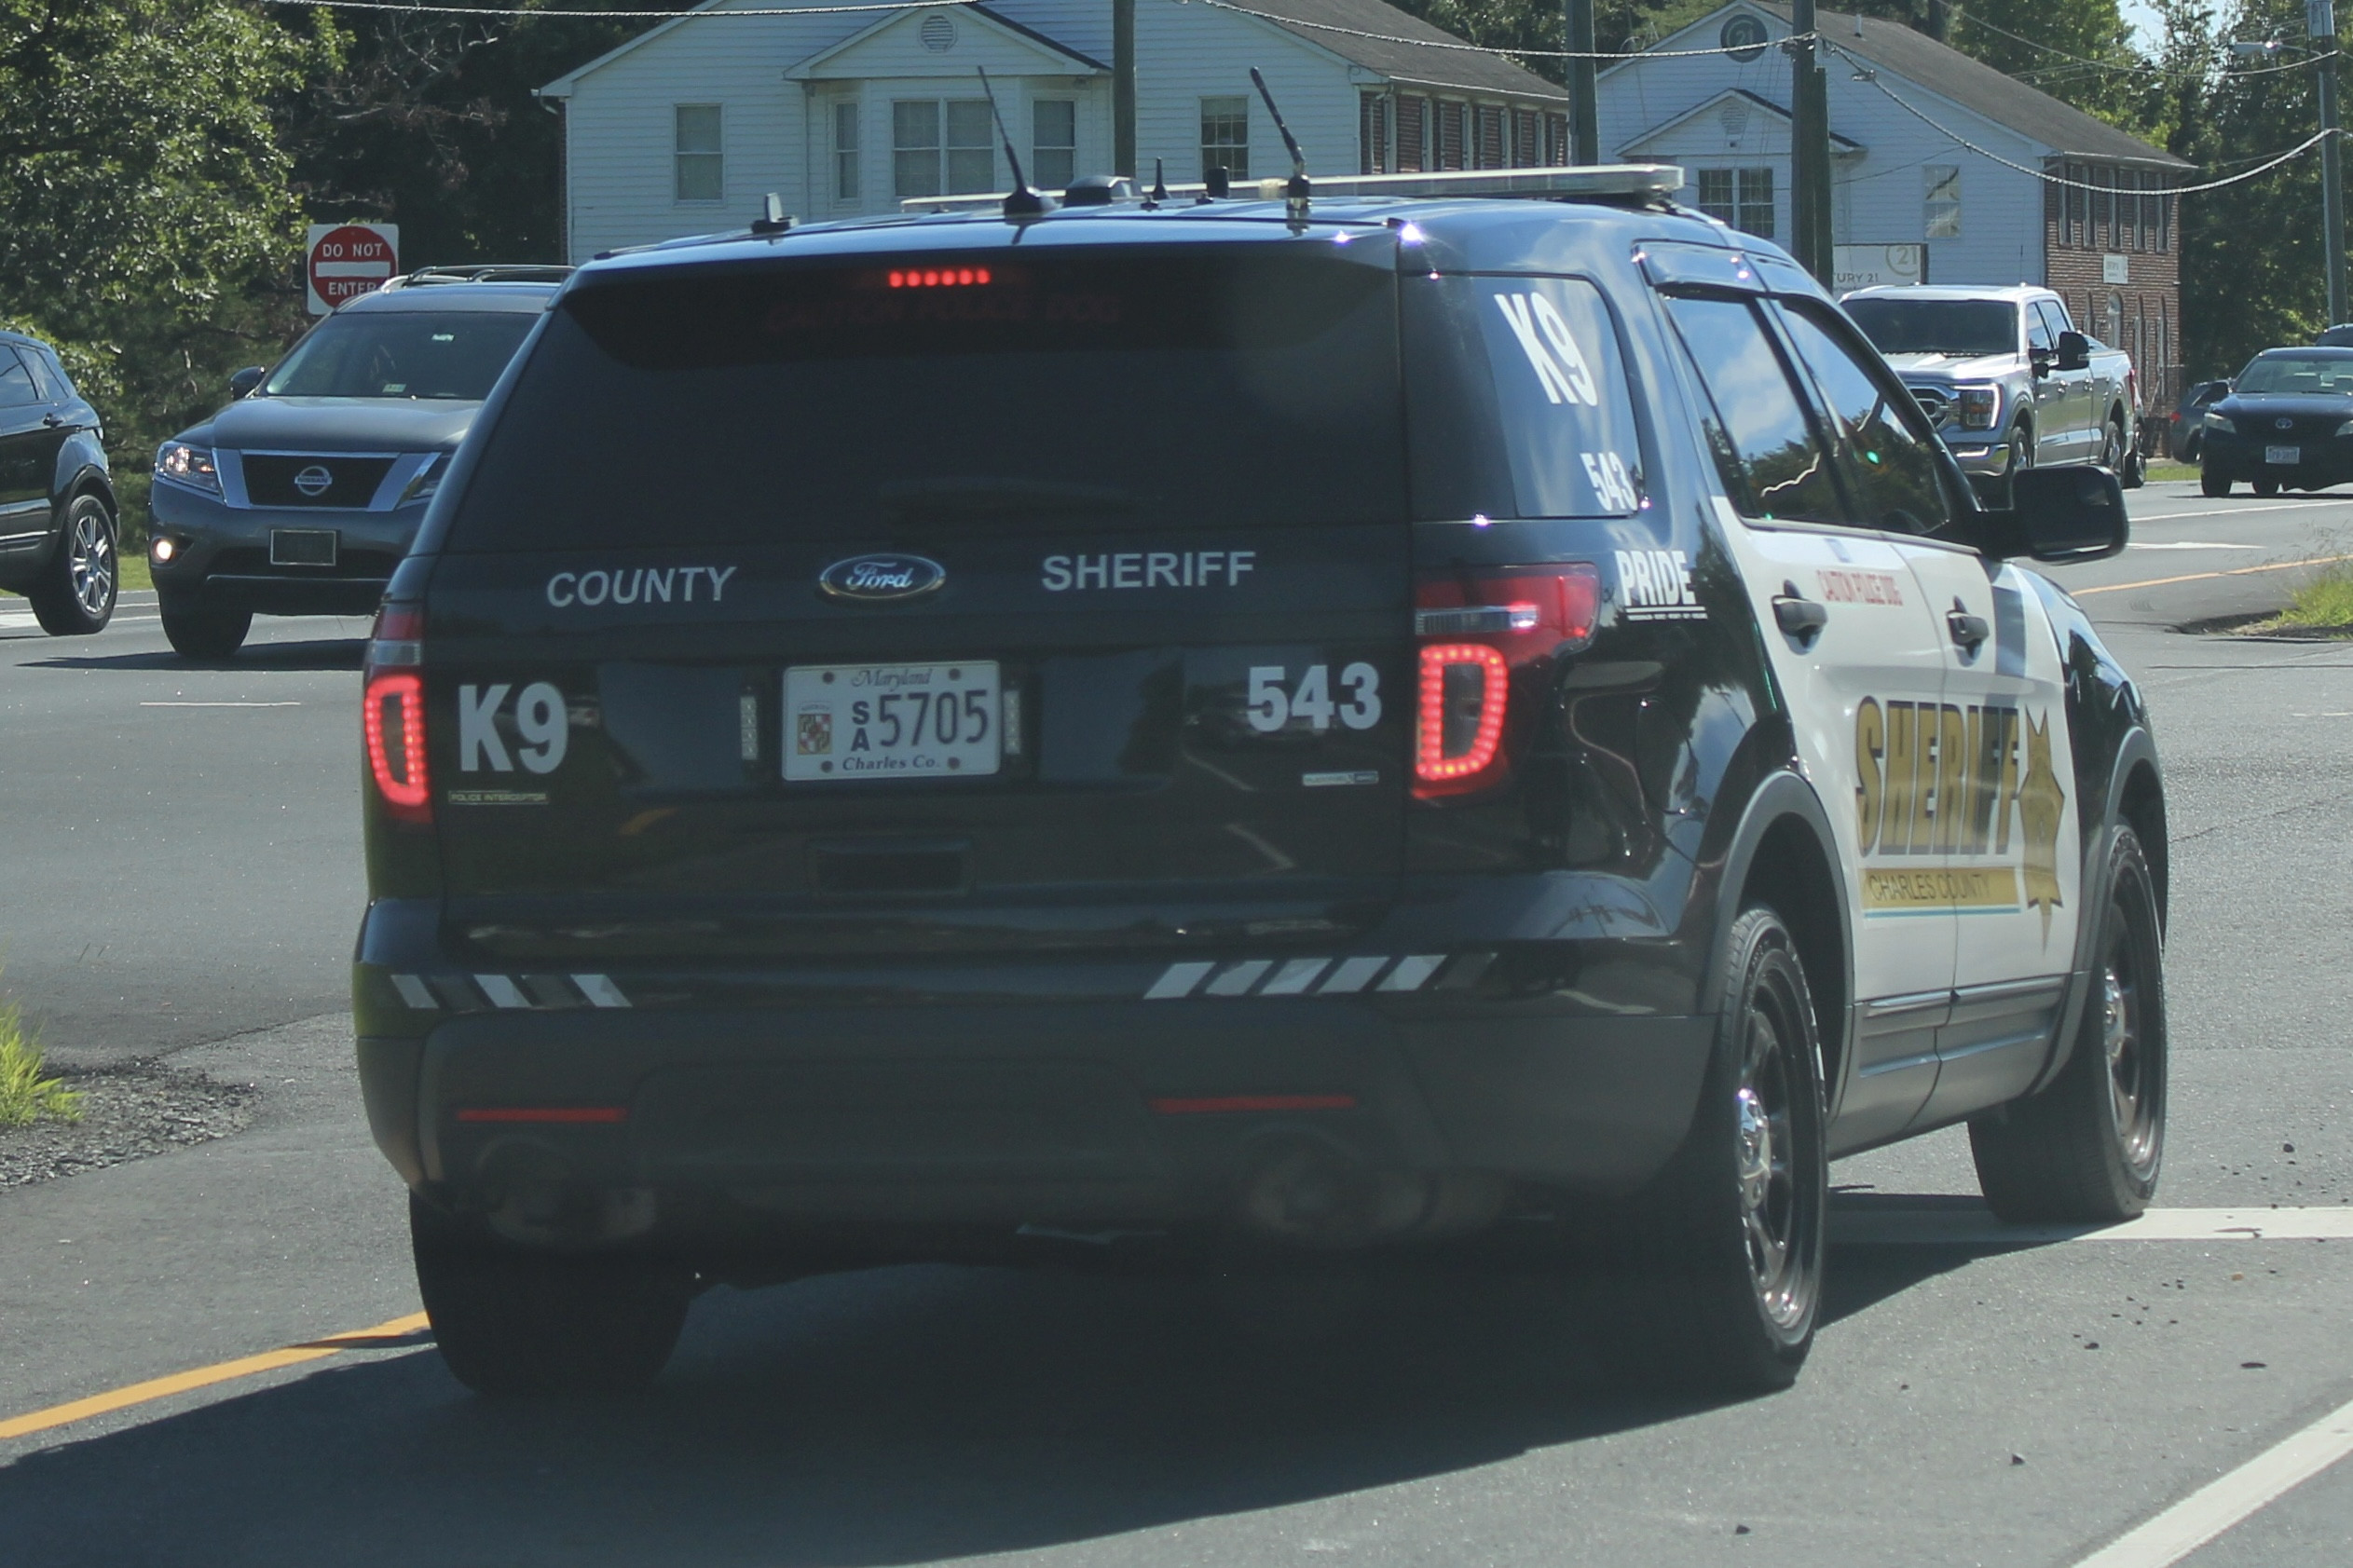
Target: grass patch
point(25, 1096)
point(2323, 602)
point(2172, 470)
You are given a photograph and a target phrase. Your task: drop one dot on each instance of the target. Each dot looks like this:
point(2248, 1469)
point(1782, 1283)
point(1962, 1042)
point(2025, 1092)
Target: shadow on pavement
point(326, 653)
point(898, 1416)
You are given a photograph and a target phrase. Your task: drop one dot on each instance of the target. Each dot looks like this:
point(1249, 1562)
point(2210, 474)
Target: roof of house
point(1404, 48)
point(1978, 87)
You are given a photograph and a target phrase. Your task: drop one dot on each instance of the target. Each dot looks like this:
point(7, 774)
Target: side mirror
point(2074, 350)
point(2062, 516)
point(241, 383)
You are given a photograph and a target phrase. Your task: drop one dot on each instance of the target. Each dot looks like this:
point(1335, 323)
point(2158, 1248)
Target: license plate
point(2288, 455)
point(893, 721)
point(302, 547)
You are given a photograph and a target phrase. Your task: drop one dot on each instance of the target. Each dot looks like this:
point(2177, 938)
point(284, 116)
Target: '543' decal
point(1276, 702)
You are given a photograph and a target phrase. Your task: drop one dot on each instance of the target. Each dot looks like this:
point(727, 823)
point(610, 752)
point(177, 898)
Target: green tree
point(146, 224)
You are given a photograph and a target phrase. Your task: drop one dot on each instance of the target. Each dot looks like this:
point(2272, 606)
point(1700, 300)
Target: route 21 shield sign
point(346, 260)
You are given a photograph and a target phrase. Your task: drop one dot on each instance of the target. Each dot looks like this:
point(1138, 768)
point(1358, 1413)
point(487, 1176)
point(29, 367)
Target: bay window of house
point(1742, 198)
point(1054, 142)
point(698, 155)
point(1372, 133)
point(1225, 136)
point(1940, 201)
point(941, 147)
point(845, 151)
point(1413, 129)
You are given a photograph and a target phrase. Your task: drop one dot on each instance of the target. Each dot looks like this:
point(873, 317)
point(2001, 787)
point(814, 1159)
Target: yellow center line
point(204, 1377)
point(2201, 577)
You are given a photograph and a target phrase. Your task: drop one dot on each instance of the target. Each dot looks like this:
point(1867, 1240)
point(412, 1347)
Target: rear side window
point(16, 382)
point(1891, 460)
point(1201, 386)
point(1766, 449)
point(1518, 401)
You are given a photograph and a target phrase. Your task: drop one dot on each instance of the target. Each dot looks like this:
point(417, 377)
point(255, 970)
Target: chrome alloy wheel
point(1773, 1218)
point(90, 561)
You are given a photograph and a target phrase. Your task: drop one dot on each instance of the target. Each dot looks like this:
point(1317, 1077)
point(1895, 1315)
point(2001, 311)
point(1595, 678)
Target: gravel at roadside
point(130, 1110)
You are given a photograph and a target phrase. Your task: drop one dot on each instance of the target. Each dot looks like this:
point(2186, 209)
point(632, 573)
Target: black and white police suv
point(1330, 728)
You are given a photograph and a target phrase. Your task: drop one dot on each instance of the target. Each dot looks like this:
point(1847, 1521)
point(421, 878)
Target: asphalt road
point(185, 880)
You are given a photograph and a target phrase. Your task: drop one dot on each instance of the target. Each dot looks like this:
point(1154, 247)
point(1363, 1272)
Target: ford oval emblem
point(876, 580)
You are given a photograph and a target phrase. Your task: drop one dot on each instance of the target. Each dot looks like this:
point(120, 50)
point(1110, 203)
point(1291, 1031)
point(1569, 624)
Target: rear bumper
point(606, 1107)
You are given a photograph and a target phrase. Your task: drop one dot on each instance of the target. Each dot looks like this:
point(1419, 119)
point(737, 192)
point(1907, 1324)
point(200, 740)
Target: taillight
point(392, 712)
point(1482, 630)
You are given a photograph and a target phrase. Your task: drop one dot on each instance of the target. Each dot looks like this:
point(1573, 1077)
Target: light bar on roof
point(1596, 180)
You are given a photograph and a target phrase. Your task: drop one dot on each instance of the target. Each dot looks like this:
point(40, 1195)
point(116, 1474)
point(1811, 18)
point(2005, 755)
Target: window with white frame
point(698, 156)
point(1225, 136)
point(1941, 201)
point(941, 147)
point(1742, 198)
point(846, 150)
point(1053, 143)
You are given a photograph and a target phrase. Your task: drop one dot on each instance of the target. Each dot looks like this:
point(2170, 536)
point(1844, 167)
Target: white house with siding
point(1933, 167)
point(685, 128)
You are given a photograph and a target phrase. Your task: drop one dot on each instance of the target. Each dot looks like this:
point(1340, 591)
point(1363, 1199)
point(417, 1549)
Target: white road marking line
point(220, 704)
point(2189, 544)
point(1937, 1227)
point(2219, 1505)
point(2235, 511)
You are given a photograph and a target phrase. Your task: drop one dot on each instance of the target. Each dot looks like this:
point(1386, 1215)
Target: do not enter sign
point(346, 260)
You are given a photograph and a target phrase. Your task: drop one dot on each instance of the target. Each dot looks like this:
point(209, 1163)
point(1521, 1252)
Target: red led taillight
point(392, 712)
point(1483, 628)
point(937, 276)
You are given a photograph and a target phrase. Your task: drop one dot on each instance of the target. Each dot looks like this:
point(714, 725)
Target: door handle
point(51, 421)
point(1969, 631)
point(1799, 616)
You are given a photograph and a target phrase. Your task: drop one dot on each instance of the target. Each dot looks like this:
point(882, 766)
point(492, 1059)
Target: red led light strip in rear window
point(938, 278)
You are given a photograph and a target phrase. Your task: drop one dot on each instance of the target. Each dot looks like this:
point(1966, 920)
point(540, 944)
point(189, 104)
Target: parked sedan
point(2184, 427)
point(57, 505)
point(2286, 422)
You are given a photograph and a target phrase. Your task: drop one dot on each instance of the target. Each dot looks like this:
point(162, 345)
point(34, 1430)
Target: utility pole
point(2320, 21)
point(1809, 148)
point(1584, 115)
point(1123, 88)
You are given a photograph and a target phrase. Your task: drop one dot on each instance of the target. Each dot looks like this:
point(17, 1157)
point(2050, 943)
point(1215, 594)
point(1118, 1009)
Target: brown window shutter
point(1413, 120)
point(1450, 134)
point(1490, 136)
point(1527, 147)
point(1372, 133)
point(1556, 140)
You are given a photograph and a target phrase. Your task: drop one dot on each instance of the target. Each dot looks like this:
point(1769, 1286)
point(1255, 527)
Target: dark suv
point(1217, 727)
point(300, 496)
point(58, 517)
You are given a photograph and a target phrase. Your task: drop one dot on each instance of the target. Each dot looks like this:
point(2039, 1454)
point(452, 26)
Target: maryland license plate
point(2290, 456)
point(893, 721)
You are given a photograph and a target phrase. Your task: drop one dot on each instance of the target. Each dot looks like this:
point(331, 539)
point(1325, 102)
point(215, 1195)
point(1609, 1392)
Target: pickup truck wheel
point(74, 594)
point(2021, 446)
point(2135, 471)
point(1732, 1235)
point(2087, 1149)
point(515, 1322)
point(2112, 447)
point(2212, 480)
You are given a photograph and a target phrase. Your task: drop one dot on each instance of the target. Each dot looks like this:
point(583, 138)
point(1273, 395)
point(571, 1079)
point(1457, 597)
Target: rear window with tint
point(1208, 387)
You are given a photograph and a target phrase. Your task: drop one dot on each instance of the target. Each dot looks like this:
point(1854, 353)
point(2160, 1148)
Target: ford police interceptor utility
point(1332, 724)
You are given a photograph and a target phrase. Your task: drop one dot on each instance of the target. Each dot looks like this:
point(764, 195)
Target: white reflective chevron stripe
point(1413, 971)
point(600, 990)
point(501, 991)
point(414, 992)
point(1238, 978)
point(1353, 974)
point(1294, 977)
point(1179, 981)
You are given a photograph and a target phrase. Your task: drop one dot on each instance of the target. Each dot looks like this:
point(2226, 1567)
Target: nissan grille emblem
point(2283, 424)
point(873, 579)
point(314, 480)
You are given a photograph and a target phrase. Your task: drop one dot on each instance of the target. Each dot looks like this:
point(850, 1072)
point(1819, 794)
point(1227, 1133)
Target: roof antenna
point(1159, 182)
point(1296, 193)
point(1021, 201)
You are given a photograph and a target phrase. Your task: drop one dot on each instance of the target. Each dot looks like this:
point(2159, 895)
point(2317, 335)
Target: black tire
point(517, 1322)
point(2086, 1150)
point(2264, 487)
point(2135, 473)
point(2213, 481)
point(2193, 446)
point(2112, 447)
point(202, 634)
point(1732, 1233)
point(74, 594)
point(2021, 446)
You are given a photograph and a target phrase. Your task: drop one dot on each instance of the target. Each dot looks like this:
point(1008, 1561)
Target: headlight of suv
point(2217, 422)
point(191, 465)
point(1980, 406)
